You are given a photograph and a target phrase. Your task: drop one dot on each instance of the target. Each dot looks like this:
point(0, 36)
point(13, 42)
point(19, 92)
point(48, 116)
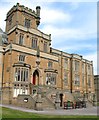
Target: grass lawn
point(10, 113)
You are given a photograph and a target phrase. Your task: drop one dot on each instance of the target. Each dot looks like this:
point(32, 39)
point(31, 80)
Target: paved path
point(82, 111)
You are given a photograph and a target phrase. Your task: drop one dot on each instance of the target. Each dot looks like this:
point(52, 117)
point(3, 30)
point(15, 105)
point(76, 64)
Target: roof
point(1, 31)
point(3, 37)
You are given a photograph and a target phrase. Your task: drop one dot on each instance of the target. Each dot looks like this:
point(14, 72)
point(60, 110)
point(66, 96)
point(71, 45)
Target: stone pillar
point(57, 101)
point(39, 101)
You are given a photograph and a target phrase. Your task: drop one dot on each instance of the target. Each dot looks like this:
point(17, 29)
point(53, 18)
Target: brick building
point(29, 65)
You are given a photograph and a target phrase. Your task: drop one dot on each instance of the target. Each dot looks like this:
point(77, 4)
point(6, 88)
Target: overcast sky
point(72, 24)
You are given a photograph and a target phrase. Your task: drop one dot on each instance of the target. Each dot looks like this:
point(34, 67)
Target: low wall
point(26, 101)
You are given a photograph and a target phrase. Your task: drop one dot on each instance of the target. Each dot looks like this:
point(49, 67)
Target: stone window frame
point(65, 63)
point(21, 39)
point(77, 80)
point(45, 46)
point(83, 68)
point(27, 23)
point(89, 69)
point(10, 20)
point(21, 58)
point(34, 42)
point(77, 65)
point(50, 64)
point(51, 78)
point(89, 81)
point(21, 74)
point(20, 89)
point(66, 78)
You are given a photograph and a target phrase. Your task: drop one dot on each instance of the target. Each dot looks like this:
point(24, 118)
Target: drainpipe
point(71, 67)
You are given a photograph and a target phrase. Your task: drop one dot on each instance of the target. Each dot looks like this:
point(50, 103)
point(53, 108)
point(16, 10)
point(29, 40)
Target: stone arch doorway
point(35, 78)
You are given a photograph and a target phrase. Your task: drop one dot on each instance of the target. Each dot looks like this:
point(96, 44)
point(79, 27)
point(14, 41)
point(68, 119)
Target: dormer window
point(27, 23)
point(21, 58)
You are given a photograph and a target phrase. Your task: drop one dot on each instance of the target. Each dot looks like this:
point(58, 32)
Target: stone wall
point(26, 101)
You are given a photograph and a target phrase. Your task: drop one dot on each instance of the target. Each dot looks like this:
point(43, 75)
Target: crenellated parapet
point(27, 10)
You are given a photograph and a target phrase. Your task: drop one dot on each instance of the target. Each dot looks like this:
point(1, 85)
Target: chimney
point(38, 15)
point(38, 11)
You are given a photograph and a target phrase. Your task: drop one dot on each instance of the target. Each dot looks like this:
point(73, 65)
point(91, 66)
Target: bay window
point(21, 74)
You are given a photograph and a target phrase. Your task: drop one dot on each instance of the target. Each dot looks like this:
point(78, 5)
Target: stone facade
point(96, 82)
point(28, 63)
